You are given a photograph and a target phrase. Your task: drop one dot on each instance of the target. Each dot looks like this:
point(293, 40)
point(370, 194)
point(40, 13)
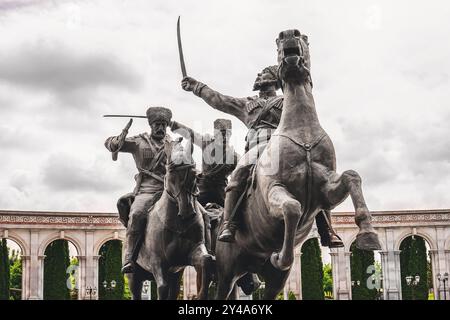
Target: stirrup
point(226, 236)
point(128, 267)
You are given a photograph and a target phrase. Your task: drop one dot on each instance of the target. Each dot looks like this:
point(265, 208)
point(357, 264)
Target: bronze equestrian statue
point(218, 161)
point(261, 114)
point(148, 153)
point(294, 180)
point(174, 237)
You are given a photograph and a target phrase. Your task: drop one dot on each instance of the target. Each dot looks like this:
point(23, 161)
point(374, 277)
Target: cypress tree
point(4, 270)
point(55, 267)
point(110, 265)
point(413, 261)
point(312, 270)
point(360, 262)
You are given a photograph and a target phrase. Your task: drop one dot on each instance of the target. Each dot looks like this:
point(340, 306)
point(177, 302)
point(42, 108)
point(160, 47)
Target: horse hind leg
point(275, 281)
point(281, 202)
point(135, 284)
point(337, 189)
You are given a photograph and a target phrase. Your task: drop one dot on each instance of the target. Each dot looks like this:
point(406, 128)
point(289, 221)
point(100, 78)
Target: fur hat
point(159, 114)
point(222, 124)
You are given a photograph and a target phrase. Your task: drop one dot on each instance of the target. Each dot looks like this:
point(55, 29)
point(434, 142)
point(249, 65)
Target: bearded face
point(264, 81)
point(158, 129)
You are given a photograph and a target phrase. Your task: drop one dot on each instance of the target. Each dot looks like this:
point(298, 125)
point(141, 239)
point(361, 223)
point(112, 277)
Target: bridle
point(171, 167)
point(303, 65)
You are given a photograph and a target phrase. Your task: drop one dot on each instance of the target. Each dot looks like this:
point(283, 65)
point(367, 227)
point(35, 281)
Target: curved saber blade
point(180, 49)
point(122, 116)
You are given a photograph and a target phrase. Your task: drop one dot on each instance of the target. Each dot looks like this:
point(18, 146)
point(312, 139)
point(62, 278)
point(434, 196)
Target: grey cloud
point(68, 75)
point(9, 5)
point(65, 173)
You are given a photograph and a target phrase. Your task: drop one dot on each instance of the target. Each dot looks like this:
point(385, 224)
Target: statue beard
point(263, 85)
point(158, 134)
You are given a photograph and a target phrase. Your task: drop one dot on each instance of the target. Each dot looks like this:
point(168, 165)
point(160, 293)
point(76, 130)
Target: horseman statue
point(261, 114)
point(148, 154)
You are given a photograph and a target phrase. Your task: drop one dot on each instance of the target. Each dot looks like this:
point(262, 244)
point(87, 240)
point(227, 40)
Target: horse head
point(293, 57)
point(180, 178)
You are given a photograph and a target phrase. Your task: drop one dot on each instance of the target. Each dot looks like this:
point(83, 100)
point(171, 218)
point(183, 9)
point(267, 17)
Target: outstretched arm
point(121, 142)
point(221, 102)
point(187, 133)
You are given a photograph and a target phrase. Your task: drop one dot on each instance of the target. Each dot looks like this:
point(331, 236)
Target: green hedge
point(4, 270)
point(312, 271)
point(361, 261)
point(413, 261)
point(110, 264)
point(56, 263)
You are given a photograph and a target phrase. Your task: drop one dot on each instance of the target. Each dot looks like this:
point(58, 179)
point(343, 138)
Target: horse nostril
point(281, 36)
point(296, 33)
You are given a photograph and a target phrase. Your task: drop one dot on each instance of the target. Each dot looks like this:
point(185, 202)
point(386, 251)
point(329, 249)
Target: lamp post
point(412, 282)
point(109, 286)
point(261, 289)
point(91, 292)
point(380, 288)
point(443, 278)
point(356, 283)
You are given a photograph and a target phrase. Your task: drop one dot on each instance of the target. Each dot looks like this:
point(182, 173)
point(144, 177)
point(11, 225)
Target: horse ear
point(305, 39)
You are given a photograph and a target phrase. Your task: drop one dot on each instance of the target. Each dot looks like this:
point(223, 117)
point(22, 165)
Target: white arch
point(56, 236)
point(25, 250)
point(408, 233)
point(104, 240)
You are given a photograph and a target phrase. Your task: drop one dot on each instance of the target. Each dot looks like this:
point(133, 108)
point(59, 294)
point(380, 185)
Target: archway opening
point(11, 269)
point(312, 273)
point(61, 275)
point(415, 269)
point(112, 285)
point(366, 274)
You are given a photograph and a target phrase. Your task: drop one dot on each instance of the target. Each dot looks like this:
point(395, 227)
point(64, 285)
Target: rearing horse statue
point(295, 178)
point(174, 237)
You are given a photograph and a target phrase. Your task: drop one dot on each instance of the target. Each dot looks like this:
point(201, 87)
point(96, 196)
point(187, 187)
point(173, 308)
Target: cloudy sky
point(380, 72)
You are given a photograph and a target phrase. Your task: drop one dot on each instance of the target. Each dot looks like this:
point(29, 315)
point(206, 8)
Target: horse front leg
point(337, 189)
point(281, 202)
point(161, 275)
point(135, 284)
point(203, 264)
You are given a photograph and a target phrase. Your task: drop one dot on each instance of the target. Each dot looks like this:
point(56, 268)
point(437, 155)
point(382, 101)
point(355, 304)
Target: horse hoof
point(368, 241)
point(276, 262)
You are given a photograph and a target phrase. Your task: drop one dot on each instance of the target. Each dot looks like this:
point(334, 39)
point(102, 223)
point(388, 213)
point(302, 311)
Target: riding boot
point(229, 225)
point(328, 236)
point(132, 239)
point(335, 241)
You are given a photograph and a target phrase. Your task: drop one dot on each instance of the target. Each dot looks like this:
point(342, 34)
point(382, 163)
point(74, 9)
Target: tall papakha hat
point(222, 124)
point(159, 114)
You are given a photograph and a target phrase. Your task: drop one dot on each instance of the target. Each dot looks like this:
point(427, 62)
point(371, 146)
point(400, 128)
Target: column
point(189, 283)
point(36, 269)
point(390, 264)
point(340, 262)
point(439, 265)
point(25, 276)
point(90, 267)
point(294, 282)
